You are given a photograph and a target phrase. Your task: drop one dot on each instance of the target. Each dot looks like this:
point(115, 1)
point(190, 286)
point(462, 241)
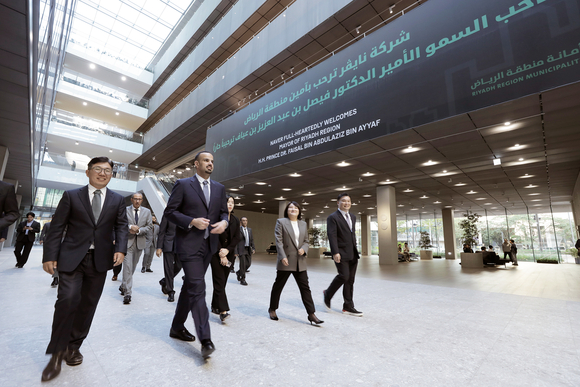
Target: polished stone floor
point(426, 323)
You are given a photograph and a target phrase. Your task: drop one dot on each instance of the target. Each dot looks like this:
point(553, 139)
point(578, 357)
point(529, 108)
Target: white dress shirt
point(296, 231)
point(347, 218)
point(91, 197)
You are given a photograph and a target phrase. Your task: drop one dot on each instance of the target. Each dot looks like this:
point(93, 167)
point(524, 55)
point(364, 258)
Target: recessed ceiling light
point(234, 189)
point(460, 184)
point(286, 189)
point(430, 162)
point(496, 161)
point(400, 205)
point(343, 164)
point(333, 200)
point(410, 149)
point(536, 205)
point(424, 197)
point(526, 176)
point(444, 171)
point(388, 181)
point(368, 174)
point(76, 143)
point(448, 206)
point(326, 206)
point(260, 183)
point(187, 169)
point(123, 78)
point(92, 66)
point(110, 151)
point(343, 188)
point(259, 194)
point(480, 199)
point(85, 104)
point(471, 192)
point(295, 174)
point(517, 146)
point(370, 208)
point(318, 216)
point(437, 202)
point(179, 172)
point(305, 203)
point(533, 194)
point(530, 186)
point(321, 212)
point(258, 202)
point(507, 123)
point(367, 196)
point(116, 113)
point(355, 204)
point(263, 208)
point(280, 198)
point(414, 209)
point(494, 208)
point(309, 194)
point(408, 190)
point(521, 159)
point(536, 200)
point(487, 204)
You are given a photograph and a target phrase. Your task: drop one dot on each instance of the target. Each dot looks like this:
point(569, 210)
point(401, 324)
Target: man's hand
point(158, 252)
point(49, 267)
point(285, 262)
point(3, 239)
point(118, 259)
point(134, 229)
point(300, 251)
point(336, 257)
point(200, 223)
point(253, 251)
point(219, 227)
point(224, 253)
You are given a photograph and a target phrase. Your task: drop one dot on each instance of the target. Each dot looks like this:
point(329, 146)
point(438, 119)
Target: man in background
point(245, 249)
point(27, 230)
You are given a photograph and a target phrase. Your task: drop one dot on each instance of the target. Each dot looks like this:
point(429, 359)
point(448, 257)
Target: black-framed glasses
point(107, 171)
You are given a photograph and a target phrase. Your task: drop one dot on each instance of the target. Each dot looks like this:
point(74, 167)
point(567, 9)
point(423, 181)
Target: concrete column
point(365, 234)
point(387, 219)
point(281, 207)
point(448, 232)
point(4, 153)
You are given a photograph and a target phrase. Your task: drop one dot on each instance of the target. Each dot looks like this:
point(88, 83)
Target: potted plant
point(315, 238)
point(469, 235)
point(573, 251)
point(424, 244)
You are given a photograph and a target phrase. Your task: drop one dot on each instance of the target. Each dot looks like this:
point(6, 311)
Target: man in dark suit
point(340, 228)
point(26, 234)
point(171, 264)
point(8, 205)
point(80, 242)
point(244, 249)
point(140, 224)
point(198, 208)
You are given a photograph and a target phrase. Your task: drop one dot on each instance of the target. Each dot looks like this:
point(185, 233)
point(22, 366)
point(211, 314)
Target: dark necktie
point(96, 204)
point(136, 216)
point(206, 194)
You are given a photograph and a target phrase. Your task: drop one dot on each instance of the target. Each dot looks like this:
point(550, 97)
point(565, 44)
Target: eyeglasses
point(107, 171)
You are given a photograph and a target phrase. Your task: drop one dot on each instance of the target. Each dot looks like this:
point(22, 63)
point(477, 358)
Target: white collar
point(93, 189)
point(201, 179)
point(345, 214)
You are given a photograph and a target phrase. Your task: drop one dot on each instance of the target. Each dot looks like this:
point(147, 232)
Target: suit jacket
point(8, 205)
point(241, 247)
point(286, 245)
point(31, 236)
point(44, 231)
point(145, 226)
point(230, 238)
point(74, 215)
point(152, 236)
point(342, 239)
point(166, 237)
point(188, 202)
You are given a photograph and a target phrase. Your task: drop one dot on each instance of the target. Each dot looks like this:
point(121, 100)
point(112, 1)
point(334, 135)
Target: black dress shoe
point(162, 283)
point(238, 276)
point(314, 320)
point(114, 278)
point(181, 334)
point(352, 311)
point(207, 348)
point(127, 300)
point(247, 271)
point(52, 369)
point(243, 282)
point(171, 297)
point(215, 311)
point(142, 270)
point(224, 316)
point(54, 283)
point(326, 302)
point(148, 271)
point(122, 290)
point(73, 357)
point(273, 315)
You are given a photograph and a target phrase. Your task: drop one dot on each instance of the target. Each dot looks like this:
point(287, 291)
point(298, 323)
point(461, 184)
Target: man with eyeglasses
point(80, 243)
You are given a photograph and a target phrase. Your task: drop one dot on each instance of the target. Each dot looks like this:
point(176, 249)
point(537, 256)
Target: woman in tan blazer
point(292, 245)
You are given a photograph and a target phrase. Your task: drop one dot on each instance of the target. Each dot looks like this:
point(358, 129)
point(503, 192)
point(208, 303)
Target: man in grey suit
point(245, 249)
point(340, 228)
point(140, 223)
point(151, 247)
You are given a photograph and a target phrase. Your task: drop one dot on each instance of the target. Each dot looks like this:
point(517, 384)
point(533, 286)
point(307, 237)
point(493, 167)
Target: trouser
point(79, 292)
point(171, 266)
point(22, 255)
point(514, 257)
point(245, 258)
point(192, 295)
point(148, 257)
point(129, 265)
point(346, 274)
point(219, 274)
point(301, 278)
point(507, 254)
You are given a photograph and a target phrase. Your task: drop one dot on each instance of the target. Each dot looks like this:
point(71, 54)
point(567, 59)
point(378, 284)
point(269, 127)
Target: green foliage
point(316, 236)
point(547, 260)
point(573, 251)
point(469, 230)
point(425, 241)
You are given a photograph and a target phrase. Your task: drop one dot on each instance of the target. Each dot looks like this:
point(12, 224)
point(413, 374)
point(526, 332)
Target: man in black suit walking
point(80, 242)
point(198, 208)
point(340, 228)
point(244, 249)
point(171, 264)
point(26, 230)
